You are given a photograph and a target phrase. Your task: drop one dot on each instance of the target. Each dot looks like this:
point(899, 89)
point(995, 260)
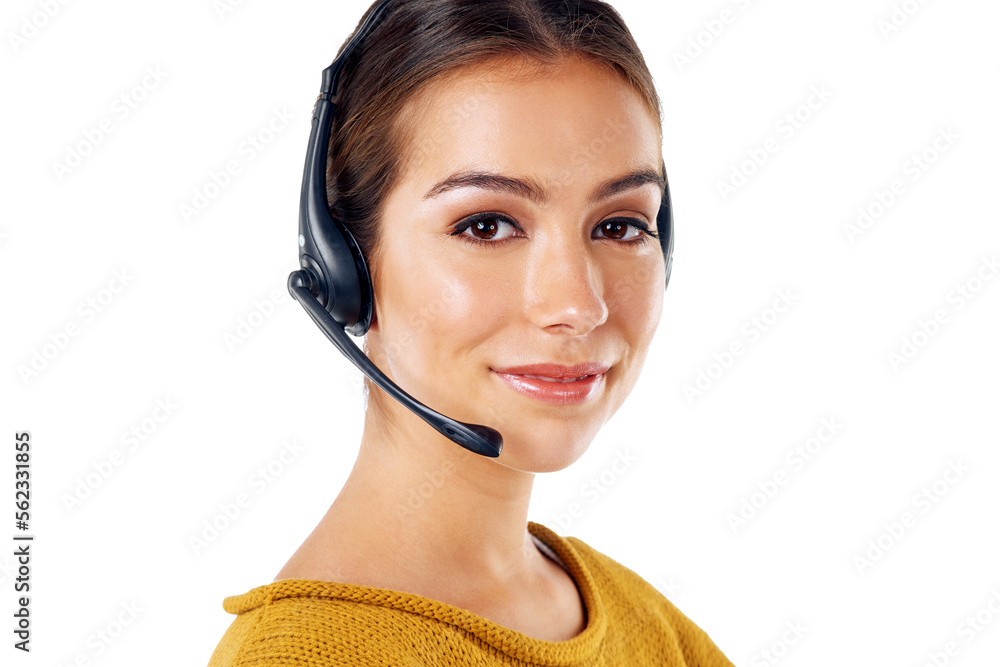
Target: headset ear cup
point(665, 228)
point(350, 284)
point(366, 294)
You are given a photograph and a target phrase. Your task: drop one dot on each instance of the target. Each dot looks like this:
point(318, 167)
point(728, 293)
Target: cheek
point(443, 313)
point(636, 308)
point(463, 315)
point(637, 297)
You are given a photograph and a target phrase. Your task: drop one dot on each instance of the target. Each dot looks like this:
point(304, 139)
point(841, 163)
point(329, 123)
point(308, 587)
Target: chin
point(545, 449)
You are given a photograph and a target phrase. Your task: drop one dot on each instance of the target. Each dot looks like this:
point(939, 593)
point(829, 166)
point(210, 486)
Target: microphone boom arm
point(474, 437)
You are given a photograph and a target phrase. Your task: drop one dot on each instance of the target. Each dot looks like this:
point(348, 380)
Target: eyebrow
point(532, 190)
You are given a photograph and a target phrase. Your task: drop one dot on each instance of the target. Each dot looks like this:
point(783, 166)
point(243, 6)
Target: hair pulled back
point(415, 42)
point(418, 41)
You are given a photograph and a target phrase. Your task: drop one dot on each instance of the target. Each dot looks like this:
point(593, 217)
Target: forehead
point(563, 125)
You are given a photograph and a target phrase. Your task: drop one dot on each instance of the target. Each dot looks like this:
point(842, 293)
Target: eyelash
point(460, 228)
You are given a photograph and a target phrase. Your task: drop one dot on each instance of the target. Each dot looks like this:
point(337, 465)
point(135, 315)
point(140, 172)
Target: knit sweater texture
point(321, 623)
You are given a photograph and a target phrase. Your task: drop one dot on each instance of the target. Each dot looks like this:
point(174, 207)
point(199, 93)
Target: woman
point(470, 145)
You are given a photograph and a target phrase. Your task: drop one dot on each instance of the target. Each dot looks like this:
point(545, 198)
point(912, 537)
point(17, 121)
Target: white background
point(190, 283)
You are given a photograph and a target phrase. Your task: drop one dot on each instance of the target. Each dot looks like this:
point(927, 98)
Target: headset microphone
point(474, 437)
point(334, 285)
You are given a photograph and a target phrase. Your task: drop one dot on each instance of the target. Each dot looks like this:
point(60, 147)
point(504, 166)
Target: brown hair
point(415, 42)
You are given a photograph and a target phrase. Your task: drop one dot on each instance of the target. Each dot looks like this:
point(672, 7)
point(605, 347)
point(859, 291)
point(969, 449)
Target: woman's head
point(526, 110)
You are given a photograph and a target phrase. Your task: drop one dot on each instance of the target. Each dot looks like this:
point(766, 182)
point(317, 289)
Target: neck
point(418, 505)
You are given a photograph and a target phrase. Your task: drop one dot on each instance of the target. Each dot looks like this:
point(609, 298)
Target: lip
point(566, 392)
point(558, 371)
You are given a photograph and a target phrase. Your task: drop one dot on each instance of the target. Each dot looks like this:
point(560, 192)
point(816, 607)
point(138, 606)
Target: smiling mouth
point(556, 391)
point(541, 377)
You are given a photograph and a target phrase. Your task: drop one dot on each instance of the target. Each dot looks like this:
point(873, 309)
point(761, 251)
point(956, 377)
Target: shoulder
point(631, 601)
point(283, 623)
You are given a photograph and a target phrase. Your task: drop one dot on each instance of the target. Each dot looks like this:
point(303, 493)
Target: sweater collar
point(520, 646)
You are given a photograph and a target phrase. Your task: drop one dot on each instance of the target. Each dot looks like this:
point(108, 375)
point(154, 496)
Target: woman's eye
point(617, 229)
point(487, 229)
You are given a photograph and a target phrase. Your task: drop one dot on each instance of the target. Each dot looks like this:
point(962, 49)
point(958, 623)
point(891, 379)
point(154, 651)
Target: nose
point(564, 286)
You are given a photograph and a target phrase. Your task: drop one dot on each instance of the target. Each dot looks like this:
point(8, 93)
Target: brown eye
point(486, 229)
point(617, 229)
point(614, 229)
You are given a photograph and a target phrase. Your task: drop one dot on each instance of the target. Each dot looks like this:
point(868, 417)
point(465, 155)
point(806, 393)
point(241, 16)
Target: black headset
point(334, 285)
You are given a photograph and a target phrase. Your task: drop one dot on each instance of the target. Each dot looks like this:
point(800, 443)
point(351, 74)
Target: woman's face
point(553, 275)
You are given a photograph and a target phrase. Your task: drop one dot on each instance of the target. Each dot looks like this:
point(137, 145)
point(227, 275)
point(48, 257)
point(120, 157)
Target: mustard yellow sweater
point(319, 623)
